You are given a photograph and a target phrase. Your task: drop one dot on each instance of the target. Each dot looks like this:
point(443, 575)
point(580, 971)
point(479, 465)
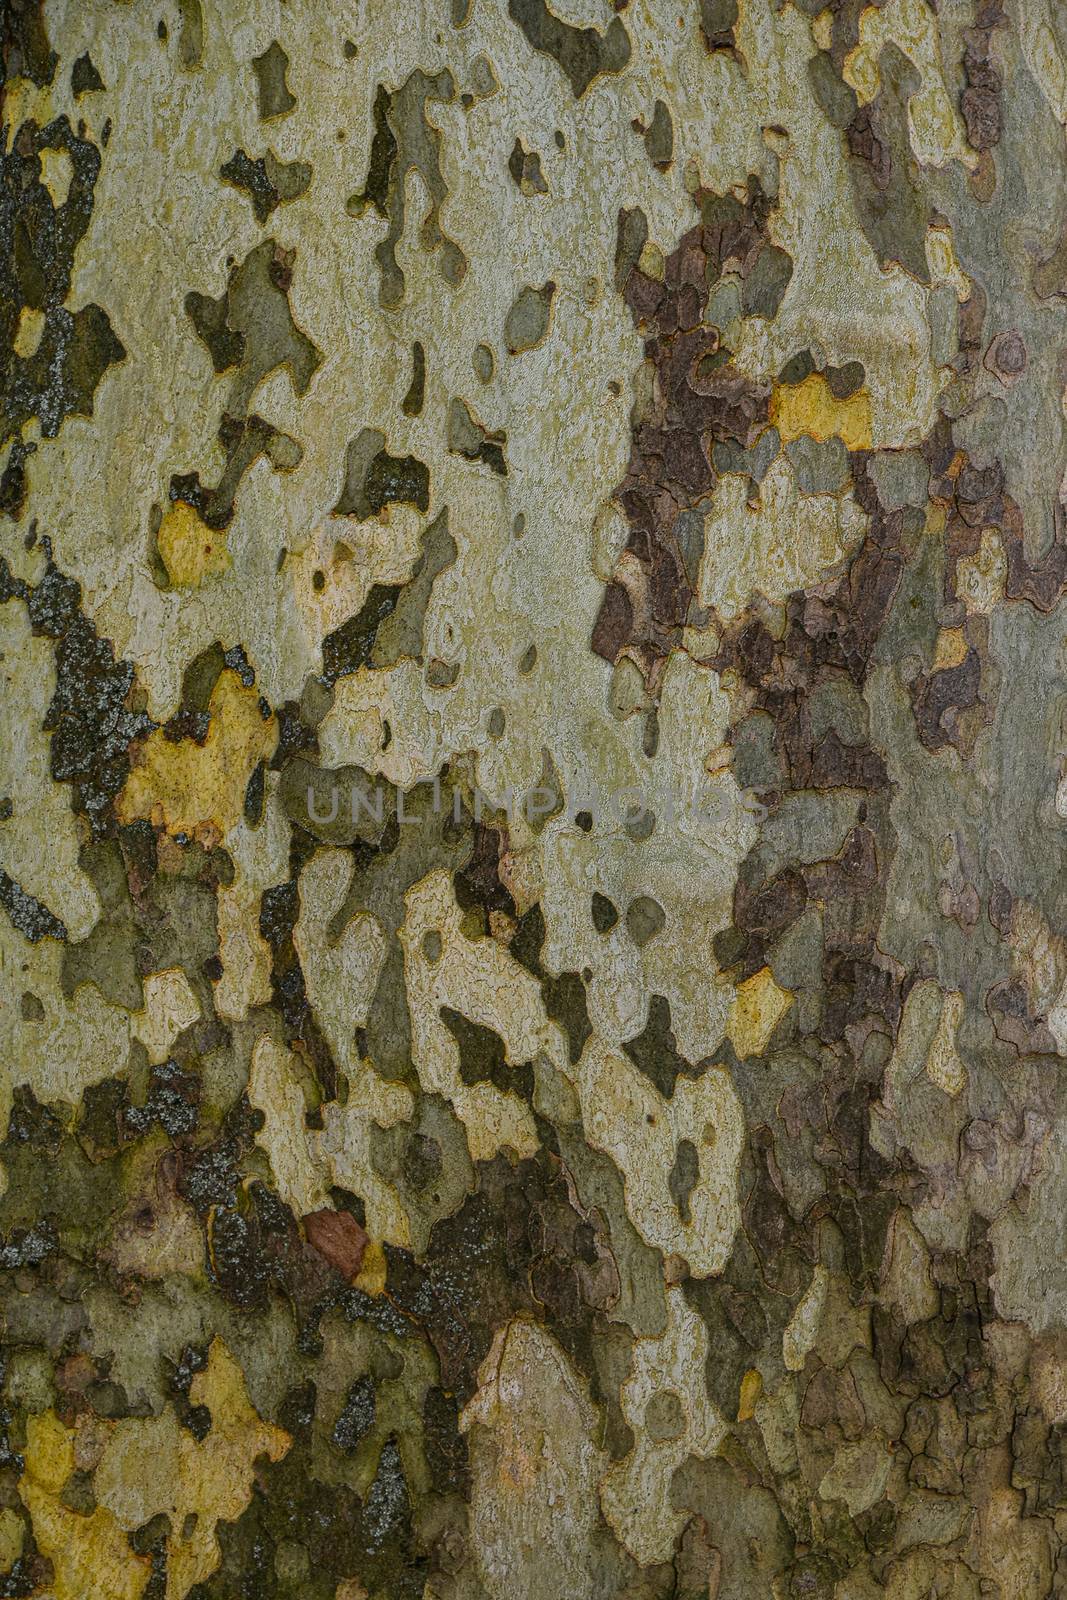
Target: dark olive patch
point(581, 53)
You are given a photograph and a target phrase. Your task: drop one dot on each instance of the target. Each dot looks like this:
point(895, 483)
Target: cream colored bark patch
point(781, 543)
point(170, 1006)
point(157, 1231)
point(477, 978)
point(535, 1467)
point(331, 575)
point(802, 1328)
point(704, 828)
point(665, 1401)
point(65, 1045)
point(274, 1088)
point(260, 857)
point(934, 126)
point(56, 175)
point(244, 954)
point(980, 578)
point(345, 1144)
point(626, 1116)
point(306, 1161)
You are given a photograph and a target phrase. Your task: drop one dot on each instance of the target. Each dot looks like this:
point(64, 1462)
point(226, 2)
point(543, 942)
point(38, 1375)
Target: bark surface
point(533, 910)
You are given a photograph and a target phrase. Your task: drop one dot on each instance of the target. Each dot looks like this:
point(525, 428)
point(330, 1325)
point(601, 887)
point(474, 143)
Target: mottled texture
point(533, 890)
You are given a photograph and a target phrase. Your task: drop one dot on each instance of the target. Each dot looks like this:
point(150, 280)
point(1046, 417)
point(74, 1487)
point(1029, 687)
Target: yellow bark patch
point(187, 787)
point(811, 408)
point(188, 548)
point(950, 649)
point(90, 1555)
point(28, 333)
point(822, 29)
point(154, 1465)
point(758, 1007)
point(751, 1389)
point(372, 1274)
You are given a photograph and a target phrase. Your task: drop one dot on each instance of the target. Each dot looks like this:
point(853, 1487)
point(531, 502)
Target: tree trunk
point(532, 843)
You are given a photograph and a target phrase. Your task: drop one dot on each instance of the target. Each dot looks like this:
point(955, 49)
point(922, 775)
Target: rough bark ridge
point(533, 910)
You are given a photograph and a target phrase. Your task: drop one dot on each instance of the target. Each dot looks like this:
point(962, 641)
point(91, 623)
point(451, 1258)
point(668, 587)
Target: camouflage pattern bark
point(532, 830)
